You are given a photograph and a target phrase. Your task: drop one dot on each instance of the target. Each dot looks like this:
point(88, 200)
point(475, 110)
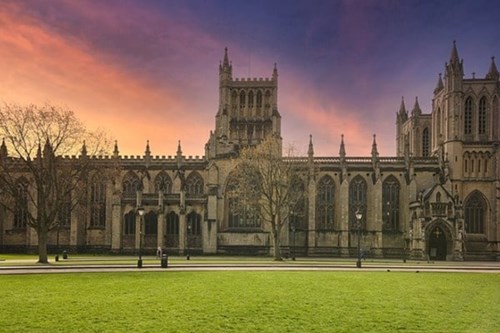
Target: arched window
point(234, 98)
point(390, 208)
point(425, 142)
point(325, 203)
point(267, 101)
point(163, 183)
point(250, 99)
point(468, 116)
point(65, 211)
point(172, 230)
point(129, 223)
point(474, 213)
point(241, 213)
point(193, 224)
point(259, 99)
point(97, 203)
point(21, 204)
point(242, 99)
point(194, 184)
point(131, 184)
point(357, 199)
point(482, 116)
point(151, 223)
point(298, 212)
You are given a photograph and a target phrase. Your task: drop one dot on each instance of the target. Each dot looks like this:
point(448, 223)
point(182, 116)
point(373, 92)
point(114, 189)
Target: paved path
point(79, 266)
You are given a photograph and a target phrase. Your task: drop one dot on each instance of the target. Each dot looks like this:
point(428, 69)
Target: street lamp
point(140, 211)
point(187, 238)
point(359, 216)
point(292, 227)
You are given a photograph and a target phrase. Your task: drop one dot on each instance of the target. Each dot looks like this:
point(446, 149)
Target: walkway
point(129, 264)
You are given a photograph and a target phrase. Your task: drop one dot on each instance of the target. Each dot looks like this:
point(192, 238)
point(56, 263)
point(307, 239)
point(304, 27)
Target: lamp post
point(292, 227)
point(140, 211)
point(187, 238)
point(359, 216)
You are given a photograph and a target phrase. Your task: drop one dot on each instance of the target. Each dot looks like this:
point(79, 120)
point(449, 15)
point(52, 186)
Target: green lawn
point(234, 301)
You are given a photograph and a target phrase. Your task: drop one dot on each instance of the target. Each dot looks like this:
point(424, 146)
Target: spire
point(179, 156)
point(3, 150)
point(225, 67)
point(342, 148)
point(402, 114)
point(310, 151)
point(148, 150)
point(374, 148)
point(47, 149)
point(439, 85)
point(226, 59)
point(416, 109)
point(84, 149)
point(454, 54)
point(275, 72)
point(115, 151)
point(493, 72)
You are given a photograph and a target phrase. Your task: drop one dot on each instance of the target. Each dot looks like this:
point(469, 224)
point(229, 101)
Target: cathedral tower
point(248, 112)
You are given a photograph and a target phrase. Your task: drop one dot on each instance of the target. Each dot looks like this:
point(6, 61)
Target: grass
point(236, 301)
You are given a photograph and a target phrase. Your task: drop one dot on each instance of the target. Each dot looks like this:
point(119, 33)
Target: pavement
point(151, 264)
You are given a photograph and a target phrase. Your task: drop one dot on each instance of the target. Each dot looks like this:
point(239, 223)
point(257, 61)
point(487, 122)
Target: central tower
point(248, 112)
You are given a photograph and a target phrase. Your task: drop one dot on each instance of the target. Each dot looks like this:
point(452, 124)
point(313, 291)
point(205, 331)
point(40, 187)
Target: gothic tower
point(248, 112)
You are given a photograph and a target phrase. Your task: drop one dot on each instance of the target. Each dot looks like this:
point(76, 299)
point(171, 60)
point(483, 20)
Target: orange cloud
point(38, 66)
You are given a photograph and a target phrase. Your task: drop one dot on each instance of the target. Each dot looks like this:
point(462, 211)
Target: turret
point(3, 150)
point(439, 85)
point(225, 70)
point(416, 109)
point(493, 71)
point(454, 71)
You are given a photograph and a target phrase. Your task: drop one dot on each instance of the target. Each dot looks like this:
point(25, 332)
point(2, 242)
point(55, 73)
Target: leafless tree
point(270, 185)
point(45, 157)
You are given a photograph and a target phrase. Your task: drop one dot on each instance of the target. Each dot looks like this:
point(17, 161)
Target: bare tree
point(269, 186)
point(41, 178)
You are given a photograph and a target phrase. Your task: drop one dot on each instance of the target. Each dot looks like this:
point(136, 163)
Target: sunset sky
point(148, 70)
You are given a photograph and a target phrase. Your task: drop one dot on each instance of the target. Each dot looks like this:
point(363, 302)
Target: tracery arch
point(325, 203)
point(474, 213)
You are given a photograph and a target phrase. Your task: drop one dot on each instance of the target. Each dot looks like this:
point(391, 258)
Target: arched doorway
point(438, 247)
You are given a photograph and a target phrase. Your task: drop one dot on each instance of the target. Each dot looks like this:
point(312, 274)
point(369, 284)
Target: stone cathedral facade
point(438, 198)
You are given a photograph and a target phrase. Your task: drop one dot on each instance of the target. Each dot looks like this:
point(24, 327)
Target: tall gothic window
point(172, 230)
point(97, 203)
point(65, 212)
point(298, 213)
point(250, 99)
point(151, 223)
point(193, 224)
point(390, 208)
point(21, 207)
point(325, 203)
point(131, 184)
point(163, 183)
point(129, 223)
point(482, 116)
point(194, 184)
point(425, 142)
point(259, 99)
point(475, 208)
point(357, 199)
point(241, 214)
point(468, 116)
point(242, 99)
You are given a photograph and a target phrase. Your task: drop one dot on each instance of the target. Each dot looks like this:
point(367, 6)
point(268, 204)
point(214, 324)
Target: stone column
point(343, 206)
point(116, 227)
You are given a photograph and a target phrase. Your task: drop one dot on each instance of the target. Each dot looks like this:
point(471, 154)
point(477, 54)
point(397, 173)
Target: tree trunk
point(277, 247)
point(42, 247)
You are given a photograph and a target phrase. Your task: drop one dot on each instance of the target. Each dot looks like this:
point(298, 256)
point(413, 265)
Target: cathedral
point(437, 198)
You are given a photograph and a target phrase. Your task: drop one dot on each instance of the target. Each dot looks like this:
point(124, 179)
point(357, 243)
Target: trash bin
point(164, 260)
point(57, 257)
point(65, 254)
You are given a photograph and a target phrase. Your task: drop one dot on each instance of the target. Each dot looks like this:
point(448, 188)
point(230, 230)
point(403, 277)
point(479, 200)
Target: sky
point(148, 70)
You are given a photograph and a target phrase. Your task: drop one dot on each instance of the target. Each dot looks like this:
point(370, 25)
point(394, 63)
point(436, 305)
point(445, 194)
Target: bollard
point(164, 260)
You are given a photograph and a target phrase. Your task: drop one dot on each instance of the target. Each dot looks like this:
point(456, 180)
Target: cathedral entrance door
point(437, 244)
